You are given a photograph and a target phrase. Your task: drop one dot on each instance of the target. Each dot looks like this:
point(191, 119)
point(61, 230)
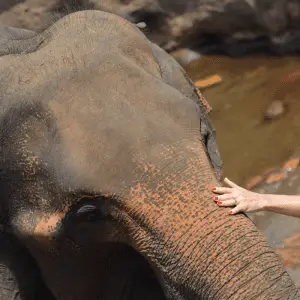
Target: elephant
point(107, 161)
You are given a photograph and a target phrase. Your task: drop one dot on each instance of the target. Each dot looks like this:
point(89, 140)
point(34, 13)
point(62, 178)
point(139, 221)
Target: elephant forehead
point(103, 90)
point(104, 139)
point(111, 145)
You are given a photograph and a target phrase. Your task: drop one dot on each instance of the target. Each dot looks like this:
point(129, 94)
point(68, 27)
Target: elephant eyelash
point(91, 207)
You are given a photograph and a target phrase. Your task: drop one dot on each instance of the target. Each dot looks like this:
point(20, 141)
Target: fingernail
point(216, 198)
point(213, 189)
point(231, 212)
point(219, 202)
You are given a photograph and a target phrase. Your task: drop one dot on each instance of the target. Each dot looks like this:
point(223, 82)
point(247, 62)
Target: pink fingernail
point(231, 212)
point(213, 189)
point(219, 202)
point(216, 198)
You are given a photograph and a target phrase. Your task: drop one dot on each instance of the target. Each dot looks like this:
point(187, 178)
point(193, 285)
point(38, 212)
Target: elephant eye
point(86, 208)
point(90, 209)
point(88, 213)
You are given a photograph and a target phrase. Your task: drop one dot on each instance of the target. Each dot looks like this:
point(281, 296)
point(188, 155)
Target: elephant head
point(95, 118)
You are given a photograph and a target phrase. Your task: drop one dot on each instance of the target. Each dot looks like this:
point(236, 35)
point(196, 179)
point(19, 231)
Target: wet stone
point(275, 110)
point(185, 56)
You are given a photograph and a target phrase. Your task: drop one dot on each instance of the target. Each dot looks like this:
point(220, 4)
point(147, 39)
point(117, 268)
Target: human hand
point(243, 200)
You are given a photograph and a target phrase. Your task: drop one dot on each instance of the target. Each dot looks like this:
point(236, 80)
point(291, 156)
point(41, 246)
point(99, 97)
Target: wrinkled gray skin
point(16, 40)
point(106, 159)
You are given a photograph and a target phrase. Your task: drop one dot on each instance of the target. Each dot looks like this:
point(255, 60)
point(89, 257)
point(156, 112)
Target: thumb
point(236, 210)
point(230, 183)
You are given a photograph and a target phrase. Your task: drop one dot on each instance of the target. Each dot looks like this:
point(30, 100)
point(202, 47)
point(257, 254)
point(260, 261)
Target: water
point(247, 143)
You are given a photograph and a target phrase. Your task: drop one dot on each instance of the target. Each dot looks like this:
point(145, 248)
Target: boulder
point(234, 27)
point(28, 14)
point(274, 110)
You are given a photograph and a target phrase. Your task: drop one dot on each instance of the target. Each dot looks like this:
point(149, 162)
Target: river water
point(247, 143)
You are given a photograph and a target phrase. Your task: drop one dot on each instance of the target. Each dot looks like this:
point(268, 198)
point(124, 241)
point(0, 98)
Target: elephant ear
point(174, 75)
point(17, 41)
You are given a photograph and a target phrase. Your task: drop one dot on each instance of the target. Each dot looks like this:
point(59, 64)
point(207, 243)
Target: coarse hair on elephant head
point(107, 159)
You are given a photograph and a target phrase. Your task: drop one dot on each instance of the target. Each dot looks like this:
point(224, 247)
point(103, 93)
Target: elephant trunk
point(199, 251)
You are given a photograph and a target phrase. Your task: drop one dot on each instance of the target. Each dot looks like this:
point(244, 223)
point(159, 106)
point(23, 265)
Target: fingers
point(226, 190)
point(230, 183)
point(222, 190)
point(230, 202)
point(223, 197)
point(227, 199)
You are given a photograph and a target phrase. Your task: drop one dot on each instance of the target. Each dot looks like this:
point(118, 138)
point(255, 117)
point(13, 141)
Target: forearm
point(283, 204)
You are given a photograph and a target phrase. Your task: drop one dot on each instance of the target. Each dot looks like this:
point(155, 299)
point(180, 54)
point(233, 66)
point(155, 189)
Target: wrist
point(265, 201)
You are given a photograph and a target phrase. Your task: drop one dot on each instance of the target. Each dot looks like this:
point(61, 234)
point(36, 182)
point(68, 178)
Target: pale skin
point(246, 201)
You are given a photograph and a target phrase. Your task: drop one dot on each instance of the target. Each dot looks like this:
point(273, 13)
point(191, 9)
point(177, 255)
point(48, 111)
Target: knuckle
point(244, 207)
point(241, 198)
point(229, 197)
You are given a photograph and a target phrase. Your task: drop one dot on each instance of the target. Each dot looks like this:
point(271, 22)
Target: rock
point(234, 27)
point(291, 164)
point(275, 110)
point(272, 176)
point(185, 56)
point(141, 25)
point(254, 181)
point(28, 14)
point(290, 252)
